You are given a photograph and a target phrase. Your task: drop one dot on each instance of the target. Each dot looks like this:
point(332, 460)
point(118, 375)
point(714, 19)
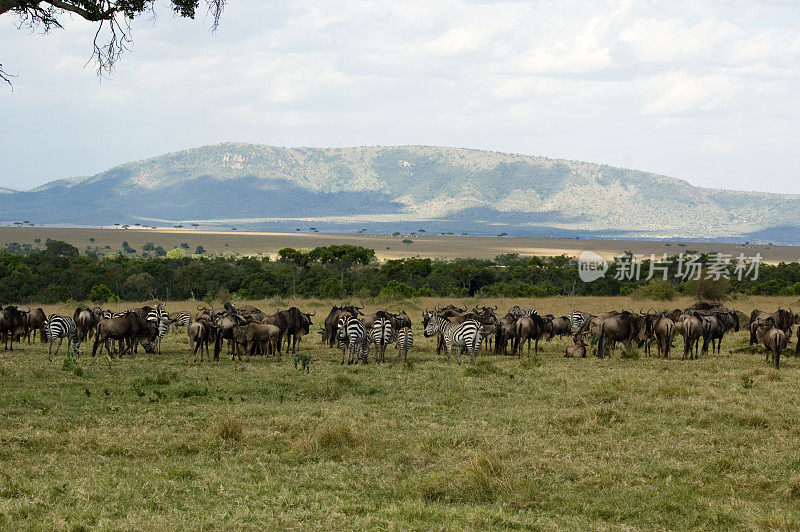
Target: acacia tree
point(113, 17)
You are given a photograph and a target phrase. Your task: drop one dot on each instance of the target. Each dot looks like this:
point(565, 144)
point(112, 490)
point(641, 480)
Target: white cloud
point(704, 90)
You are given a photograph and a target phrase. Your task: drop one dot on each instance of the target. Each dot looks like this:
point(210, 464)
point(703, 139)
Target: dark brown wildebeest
point(715, 325)
point(783, 319)
point(36, 319)
point(488, 320)
point(505, 331)
point(225, 324)
point(298, 324)
point(559, 326)
point(10, 320)
point(773, 338)
point(400, 321)
point(664, 331)
point(263, 335)
point(692, 330)
point(529, 328)
point(200, 333)
point(577, 349)
point(86, 320)
point(625, 327)
point(130, 328)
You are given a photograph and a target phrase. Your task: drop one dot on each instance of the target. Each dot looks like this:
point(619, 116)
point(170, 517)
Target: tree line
point(59, 273)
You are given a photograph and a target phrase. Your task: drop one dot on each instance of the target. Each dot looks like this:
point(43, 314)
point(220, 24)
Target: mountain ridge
point(450, 189)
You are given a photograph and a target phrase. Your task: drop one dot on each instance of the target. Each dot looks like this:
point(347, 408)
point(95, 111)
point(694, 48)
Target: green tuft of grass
point(228, 428)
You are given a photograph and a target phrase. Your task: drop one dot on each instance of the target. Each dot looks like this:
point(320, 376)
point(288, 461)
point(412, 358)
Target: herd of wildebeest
point(249, 331)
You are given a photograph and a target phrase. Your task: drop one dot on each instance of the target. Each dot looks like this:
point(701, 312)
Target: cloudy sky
point(708, 91)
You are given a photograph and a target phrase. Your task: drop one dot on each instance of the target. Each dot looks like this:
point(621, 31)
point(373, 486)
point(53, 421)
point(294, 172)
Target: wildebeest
point(561, 326)
point(298, 324)
point(783, 319)
point(36, 319)
point(505, 331)
point(577, 349)
point(715, 325)
point(625, 327)
point(692, 330)
point(10, 319)
point(261, 335)
point(664, 331)
point(86, 320)
point(131, 328)
point(225, 324)
point(200, 332)
point(773, 338)
point(529, 328)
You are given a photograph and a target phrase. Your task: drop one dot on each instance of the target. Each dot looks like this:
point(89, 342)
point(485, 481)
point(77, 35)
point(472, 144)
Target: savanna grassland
point(154, 442)
point(247, 243)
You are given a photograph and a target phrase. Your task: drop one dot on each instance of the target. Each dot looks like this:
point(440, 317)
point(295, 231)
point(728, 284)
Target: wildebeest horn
point(495, 307)
point(314, 314)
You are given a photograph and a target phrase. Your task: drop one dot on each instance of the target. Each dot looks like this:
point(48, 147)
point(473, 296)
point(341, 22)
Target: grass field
point(545, 442)
point(385, 246)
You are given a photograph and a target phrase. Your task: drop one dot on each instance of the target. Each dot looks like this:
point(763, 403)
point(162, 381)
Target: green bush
point(100, 293)
point(708, 289)
point(396, 289)
point(656, 290)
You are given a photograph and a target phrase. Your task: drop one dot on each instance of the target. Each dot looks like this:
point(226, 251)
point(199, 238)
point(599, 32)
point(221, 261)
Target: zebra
point(405, 339)
point(519, 313)
point(354, 338)
point(462, 336)
point(180, 319)
point(577, 319)
point(163, 326)
point(158, 316)
point(381, 334)
point(61, 327)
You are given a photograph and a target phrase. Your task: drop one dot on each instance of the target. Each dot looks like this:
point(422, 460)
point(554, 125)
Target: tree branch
point(91, 16)
point(113, 33)
point(5, 76)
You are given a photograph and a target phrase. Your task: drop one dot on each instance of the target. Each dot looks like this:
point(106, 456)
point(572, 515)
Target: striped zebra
point(381, 334)
point(461, 336)
point(577, 320)
point(61, 327)
point(158, 316)
point(405, 339)
point(163, 328)
point(354, 338)
point(180, 319)
point(519, 313)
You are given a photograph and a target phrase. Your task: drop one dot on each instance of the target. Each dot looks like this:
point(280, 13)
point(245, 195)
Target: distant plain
point(385, 246)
